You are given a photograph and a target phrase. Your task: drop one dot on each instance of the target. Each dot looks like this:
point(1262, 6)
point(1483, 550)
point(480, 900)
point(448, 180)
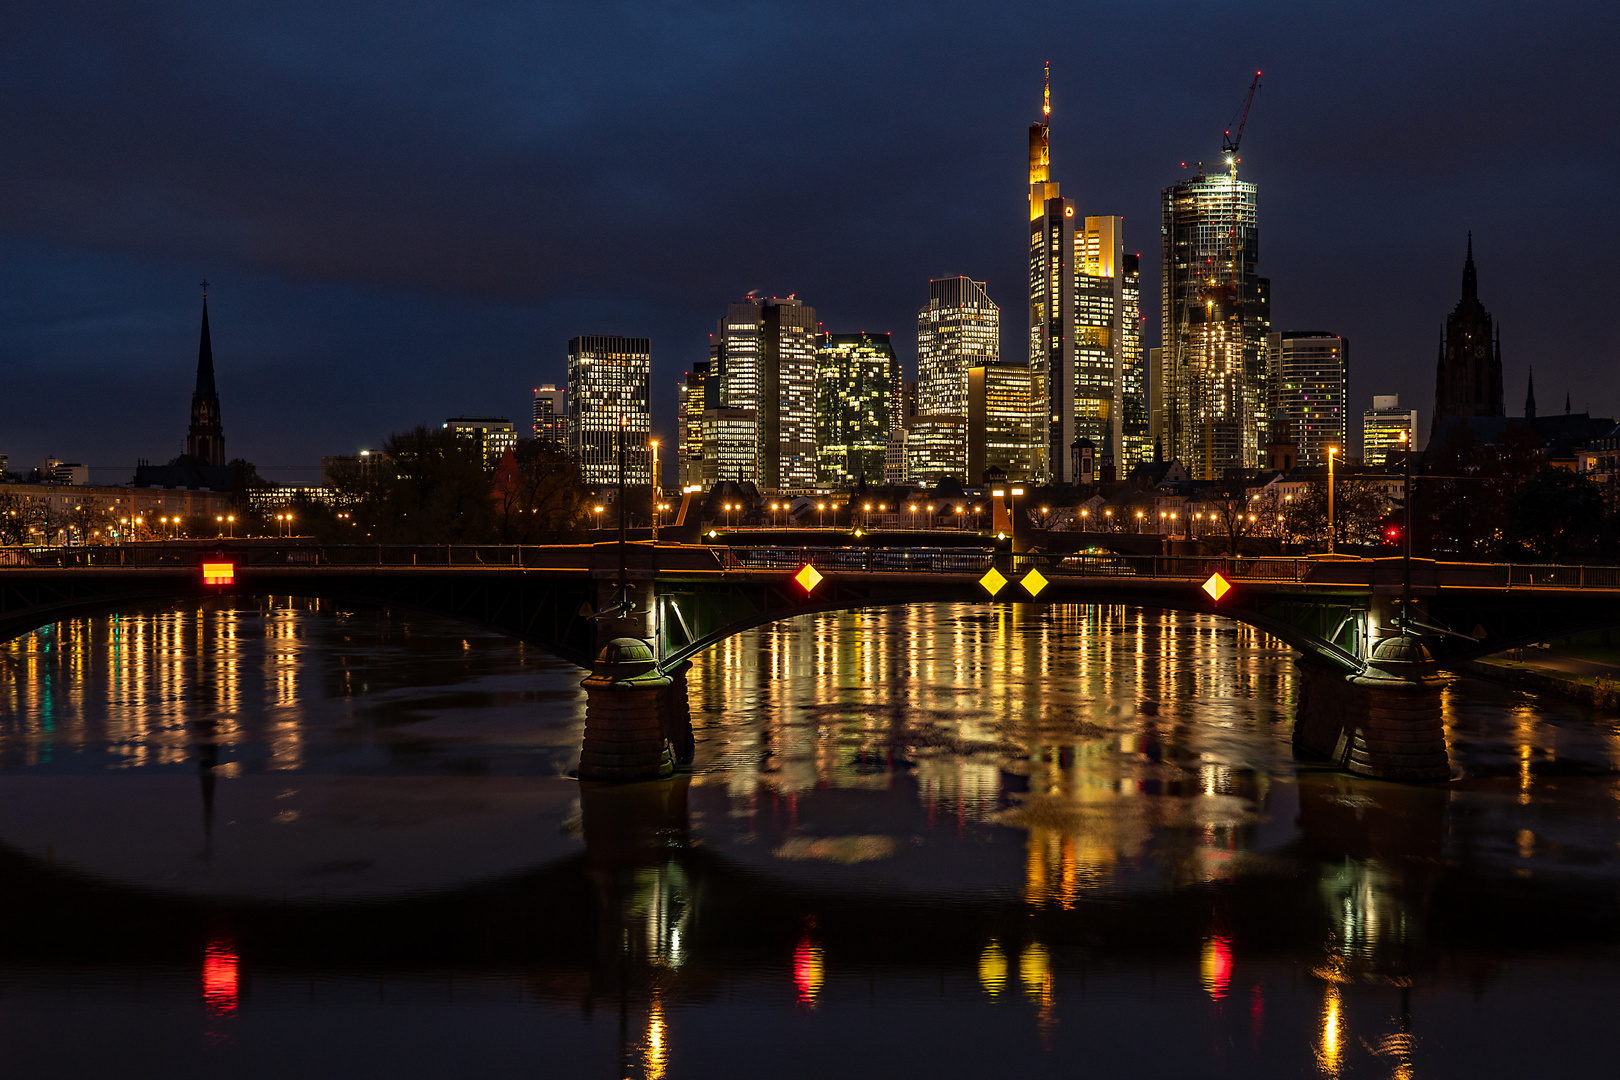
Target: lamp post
point(657, 508)
point(1332, 452)
point(1406, 528)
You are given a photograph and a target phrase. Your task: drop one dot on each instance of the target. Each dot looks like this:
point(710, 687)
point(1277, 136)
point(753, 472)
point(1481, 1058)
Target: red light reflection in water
point(1257, 1014)
point(219, 977)
point(807, 971)
point(1216, 966)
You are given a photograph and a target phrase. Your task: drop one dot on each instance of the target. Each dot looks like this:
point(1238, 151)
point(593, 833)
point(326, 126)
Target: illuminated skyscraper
point(1310, 372)
point(608, 383)
point(1084, 321)
point(689, 425)
point(1134, 443)
point(998, 421)
point(960, 329)
point(1211, 390)
point(550, 415)
point(765, 363)
point(856, 410)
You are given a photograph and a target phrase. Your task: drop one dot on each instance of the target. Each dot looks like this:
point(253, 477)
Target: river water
point(269, 839)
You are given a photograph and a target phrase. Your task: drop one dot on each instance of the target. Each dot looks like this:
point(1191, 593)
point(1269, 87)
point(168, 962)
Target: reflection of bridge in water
point(1362, 904)
point(1375, 711)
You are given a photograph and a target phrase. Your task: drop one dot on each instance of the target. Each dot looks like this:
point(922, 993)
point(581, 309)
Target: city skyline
point(95, 303)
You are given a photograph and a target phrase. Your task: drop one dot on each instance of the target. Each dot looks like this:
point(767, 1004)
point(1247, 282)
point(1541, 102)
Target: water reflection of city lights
point(993, 969)
point(1035, 969)
point(219, 978)
point(1215, 966)
point(1329, 1047)
point(807, 971)
point(655, 1055)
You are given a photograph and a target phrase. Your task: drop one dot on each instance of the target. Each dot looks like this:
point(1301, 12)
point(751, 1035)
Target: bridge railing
point(1564, 577)
point(959, 561)
point(190, 555)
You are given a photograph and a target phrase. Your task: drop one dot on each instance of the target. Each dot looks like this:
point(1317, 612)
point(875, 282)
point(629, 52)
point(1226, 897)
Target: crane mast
point(1230, 142)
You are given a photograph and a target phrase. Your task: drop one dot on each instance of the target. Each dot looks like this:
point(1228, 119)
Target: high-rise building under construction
point(1210, 392)
point(1084, 322)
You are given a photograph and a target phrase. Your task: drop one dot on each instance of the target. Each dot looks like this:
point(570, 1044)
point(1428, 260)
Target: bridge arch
point(679, 644)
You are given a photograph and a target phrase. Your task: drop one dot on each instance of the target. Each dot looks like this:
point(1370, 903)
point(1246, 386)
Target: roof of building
point(187, 471)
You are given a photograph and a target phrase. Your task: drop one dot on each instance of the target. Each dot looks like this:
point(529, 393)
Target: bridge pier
point(626, 715)
point(1383, 723)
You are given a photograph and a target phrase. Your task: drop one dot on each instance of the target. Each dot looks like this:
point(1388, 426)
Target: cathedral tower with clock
point(1468, 381)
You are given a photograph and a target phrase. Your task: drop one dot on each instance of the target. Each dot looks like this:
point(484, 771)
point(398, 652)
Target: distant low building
point(494, 435)
point(550, 414)
point(1387, 427)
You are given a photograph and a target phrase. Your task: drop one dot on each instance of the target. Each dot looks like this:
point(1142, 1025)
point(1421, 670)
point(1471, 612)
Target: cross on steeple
point(205, 288)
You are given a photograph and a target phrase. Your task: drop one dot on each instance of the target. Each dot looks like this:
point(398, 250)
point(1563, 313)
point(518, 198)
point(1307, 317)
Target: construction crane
point(1229, 142)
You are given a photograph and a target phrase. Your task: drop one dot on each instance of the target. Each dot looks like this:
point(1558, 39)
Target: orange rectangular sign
point(219, 573)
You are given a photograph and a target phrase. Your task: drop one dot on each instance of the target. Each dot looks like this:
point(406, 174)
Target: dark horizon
point(406, 218)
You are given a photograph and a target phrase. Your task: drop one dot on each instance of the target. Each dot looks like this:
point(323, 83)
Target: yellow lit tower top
point(1041, 186)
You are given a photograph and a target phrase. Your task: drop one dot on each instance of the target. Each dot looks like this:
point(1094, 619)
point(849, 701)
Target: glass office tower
point(608, 393)
point(856, 377)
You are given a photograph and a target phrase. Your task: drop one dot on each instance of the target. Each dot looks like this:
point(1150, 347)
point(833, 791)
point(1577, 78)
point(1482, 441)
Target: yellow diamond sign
point(993, 582)
point(1035, 581)
point(1217, 586)
point(808, 578)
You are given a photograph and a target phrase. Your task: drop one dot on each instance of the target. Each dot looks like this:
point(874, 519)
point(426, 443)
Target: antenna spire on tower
point(1046, 100)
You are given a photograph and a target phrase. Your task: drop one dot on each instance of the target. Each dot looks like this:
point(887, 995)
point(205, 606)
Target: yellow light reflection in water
point(992, 968)
point(1035, 972)
point(655, 1056)
point(1330, 1048)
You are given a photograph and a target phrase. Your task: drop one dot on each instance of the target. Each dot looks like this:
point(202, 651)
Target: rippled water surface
point(291, 839)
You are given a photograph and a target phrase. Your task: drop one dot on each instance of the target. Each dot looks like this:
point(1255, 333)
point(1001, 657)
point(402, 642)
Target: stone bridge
point(1371, 693)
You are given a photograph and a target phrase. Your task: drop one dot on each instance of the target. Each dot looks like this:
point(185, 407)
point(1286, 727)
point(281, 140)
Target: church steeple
point(1530, 397)
point(1470, 288)
point(206, 439)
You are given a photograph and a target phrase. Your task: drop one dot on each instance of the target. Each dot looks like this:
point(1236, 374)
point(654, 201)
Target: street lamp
point(1332, 452)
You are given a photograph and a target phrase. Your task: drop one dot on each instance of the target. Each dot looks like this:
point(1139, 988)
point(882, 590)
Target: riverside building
point(608, 395)
point(1386, 428)
point(1310, 372)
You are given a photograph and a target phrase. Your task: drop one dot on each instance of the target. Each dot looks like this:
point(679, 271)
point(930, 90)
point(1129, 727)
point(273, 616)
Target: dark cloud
point(407, 208)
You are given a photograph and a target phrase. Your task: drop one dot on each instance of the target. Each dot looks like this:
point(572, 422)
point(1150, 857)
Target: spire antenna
point(1046, 99)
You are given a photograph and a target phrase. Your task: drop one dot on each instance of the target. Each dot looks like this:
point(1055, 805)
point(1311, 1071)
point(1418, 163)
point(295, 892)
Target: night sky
point(405, 209)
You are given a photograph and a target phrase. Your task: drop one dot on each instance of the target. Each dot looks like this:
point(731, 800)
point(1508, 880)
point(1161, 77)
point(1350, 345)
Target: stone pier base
point(1373, 724)
point(675, 714)
point(625, 716)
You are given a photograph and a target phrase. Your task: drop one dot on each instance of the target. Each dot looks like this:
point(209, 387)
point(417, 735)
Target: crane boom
point(1229, 142)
